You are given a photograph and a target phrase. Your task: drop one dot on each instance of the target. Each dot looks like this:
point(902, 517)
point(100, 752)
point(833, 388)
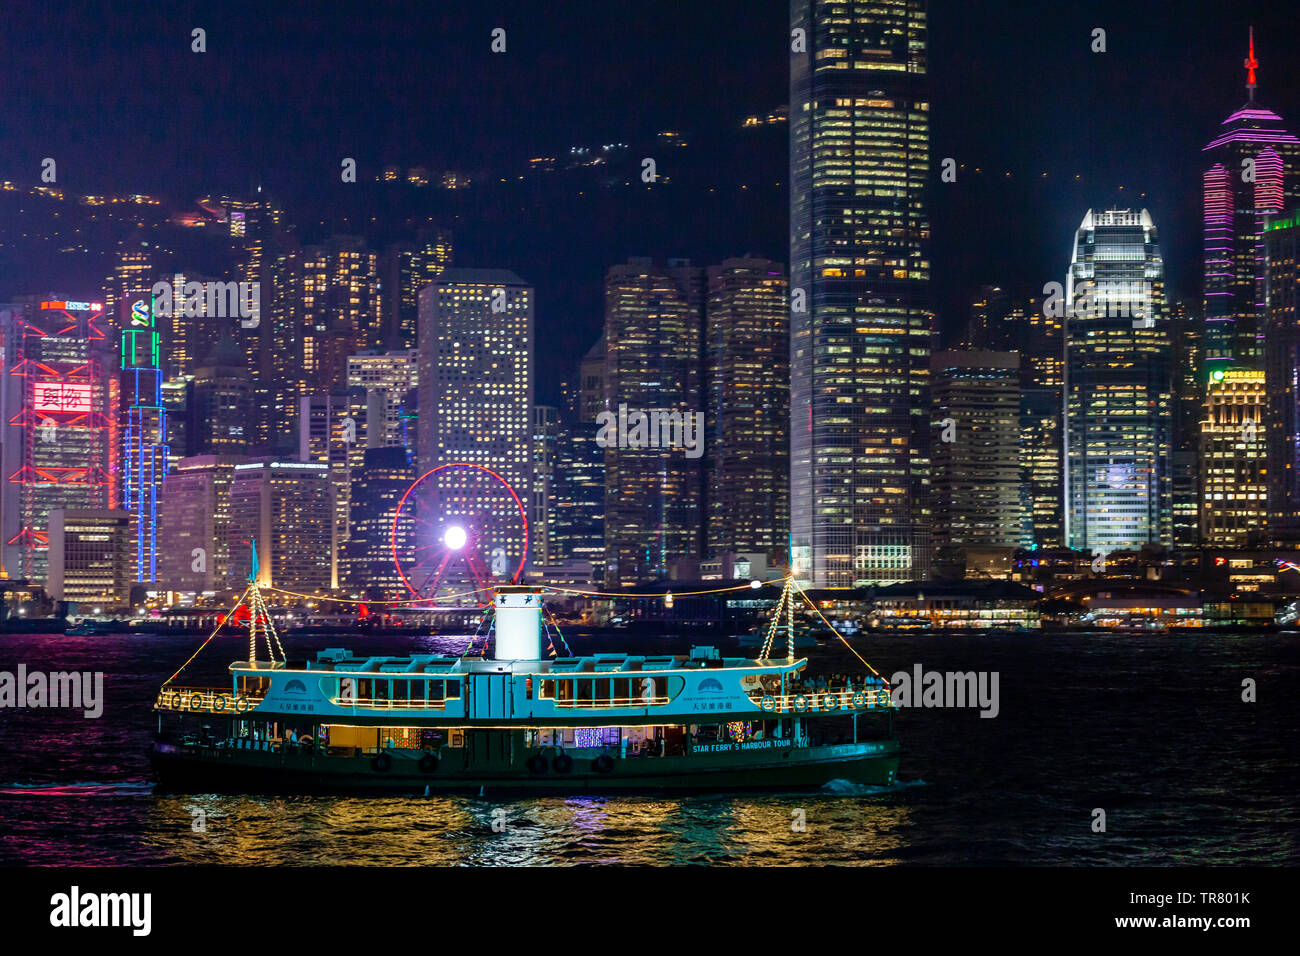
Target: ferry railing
point(826, 701)
point(609, 702)
point(205, 700)
point(390, 703)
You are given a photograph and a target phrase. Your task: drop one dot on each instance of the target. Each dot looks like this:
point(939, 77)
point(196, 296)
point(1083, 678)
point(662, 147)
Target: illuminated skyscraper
point(389, 380)
point(366, 564)
point(1042, 426)
point(286, 507)
point(1282, 376)
point(747, 393)
point(62, 443)
point(977, 455)
point(92, 559)
point(1254, 171)
point(194, 524)
point(1234, 495)
point(476, 373)
point(541, 503)
point(221, 404)
point(409, 267)
point(145, 451)
point(330, 433)
point(861, 325)
point(326, 305)
point(653, 317)
point(1119, 401)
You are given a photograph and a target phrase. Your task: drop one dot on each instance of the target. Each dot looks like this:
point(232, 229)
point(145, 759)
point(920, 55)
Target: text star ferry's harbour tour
point(515, 719)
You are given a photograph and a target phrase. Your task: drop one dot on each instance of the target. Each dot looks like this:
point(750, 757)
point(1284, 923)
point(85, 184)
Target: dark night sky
point(288, 88)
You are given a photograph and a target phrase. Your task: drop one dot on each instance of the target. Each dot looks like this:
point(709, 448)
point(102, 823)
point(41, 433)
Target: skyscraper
point(326, 308)
point(653, 517)
point(1253, 172)
point(1119, 402)
point(145, 454)
point(1042, 426)
point(1234, 495)
point(861, 325)
point(221, 404)
point(389, 381)
point(194, 524)
point(476, 374)
point(408, 268)
point(62, 446)
point(285, 506)
point(92, 558)
point(329, 434)
point(747, 397)
point(541, 503)
point(1282, 376)
point(977, 454)
point(366, 564)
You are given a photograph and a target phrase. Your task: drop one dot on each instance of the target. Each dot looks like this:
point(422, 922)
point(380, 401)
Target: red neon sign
point(62, 397)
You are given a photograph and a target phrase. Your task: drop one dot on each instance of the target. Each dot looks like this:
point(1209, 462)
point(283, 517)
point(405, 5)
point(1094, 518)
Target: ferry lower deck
point(663, 758)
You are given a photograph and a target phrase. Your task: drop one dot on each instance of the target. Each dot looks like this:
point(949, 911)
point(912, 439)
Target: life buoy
point(219, 703)
point(537, 763)
point(859, 699)
point(177, 700)
point(563, 763)
point(382, 762)
point(196, 701)
point(429, 763)
point(242, 705)
point(768, 703)
point(603, 764)
point(801, 702)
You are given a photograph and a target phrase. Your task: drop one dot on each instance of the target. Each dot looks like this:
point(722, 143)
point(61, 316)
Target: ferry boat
point(517, 720)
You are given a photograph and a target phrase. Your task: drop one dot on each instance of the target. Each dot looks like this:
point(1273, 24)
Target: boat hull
point(210, 769)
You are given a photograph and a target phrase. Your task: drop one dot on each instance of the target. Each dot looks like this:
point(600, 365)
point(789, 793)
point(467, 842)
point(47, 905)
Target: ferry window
point(365, 689)
point(547, 690)
point(528, 688)
point(564, 690)
point(622, 688)
point(585, 689)
point(436, 688)
point(453, 690)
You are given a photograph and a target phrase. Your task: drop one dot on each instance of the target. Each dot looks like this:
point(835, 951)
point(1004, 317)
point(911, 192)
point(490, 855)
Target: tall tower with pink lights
point(1252, 171)
point(1252, 174)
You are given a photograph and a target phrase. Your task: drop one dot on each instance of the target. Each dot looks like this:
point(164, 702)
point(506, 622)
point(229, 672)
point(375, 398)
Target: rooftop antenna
point(1251, 65)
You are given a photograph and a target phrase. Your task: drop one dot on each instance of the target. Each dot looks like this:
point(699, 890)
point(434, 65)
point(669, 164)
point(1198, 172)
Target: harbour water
point(1151, 729)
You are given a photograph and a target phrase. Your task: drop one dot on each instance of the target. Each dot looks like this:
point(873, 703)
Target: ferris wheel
point(459, 531)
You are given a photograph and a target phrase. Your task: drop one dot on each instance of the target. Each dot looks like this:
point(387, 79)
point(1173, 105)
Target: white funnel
point(518, 624)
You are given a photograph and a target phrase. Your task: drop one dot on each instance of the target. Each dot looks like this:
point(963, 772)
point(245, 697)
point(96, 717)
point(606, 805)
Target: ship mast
point(259, 621)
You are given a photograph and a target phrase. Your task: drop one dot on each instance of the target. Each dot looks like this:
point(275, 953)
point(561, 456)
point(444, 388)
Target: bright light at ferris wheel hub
point(455, 537)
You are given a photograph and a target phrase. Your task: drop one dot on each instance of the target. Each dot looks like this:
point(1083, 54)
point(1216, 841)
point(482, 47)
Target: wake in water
point(849, 788)
point(78, 789)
